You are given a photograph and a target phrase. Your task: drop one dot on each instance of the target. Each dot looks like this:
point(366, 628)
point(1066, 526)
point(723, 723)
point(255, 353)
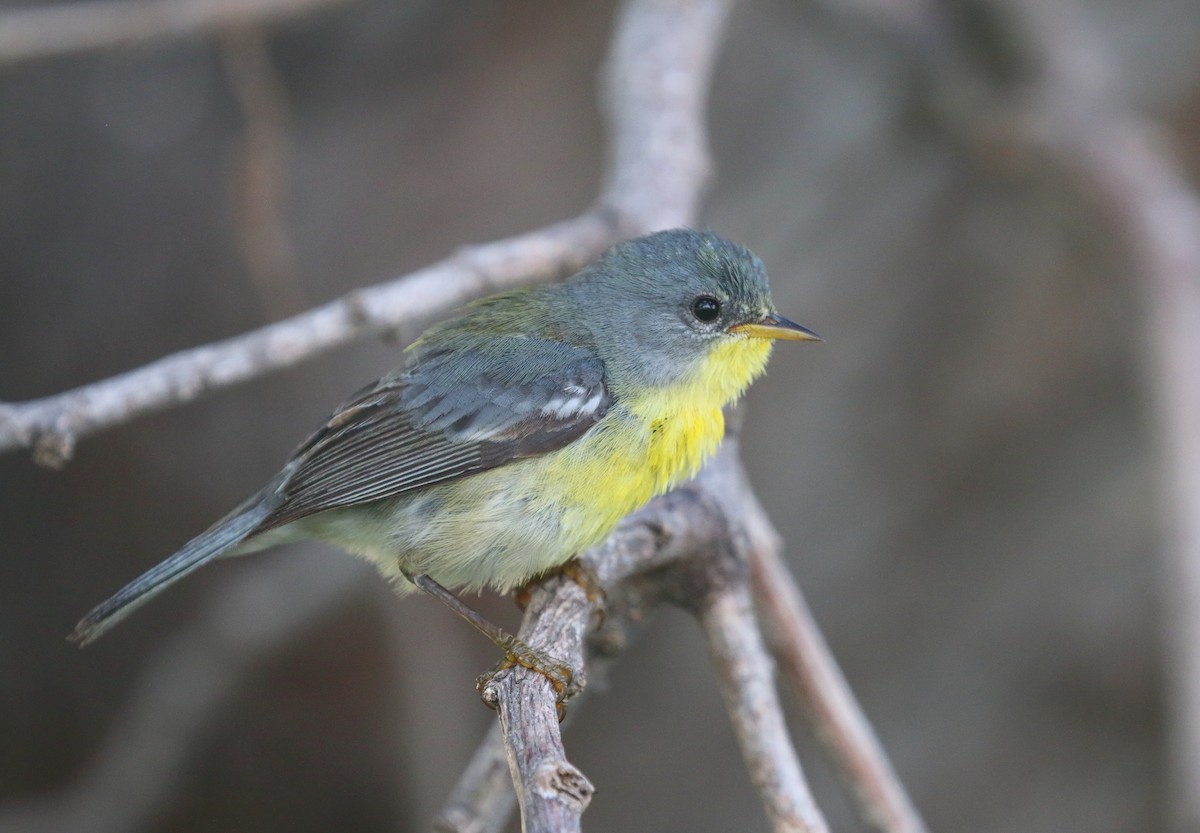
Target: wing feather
point(449, 415)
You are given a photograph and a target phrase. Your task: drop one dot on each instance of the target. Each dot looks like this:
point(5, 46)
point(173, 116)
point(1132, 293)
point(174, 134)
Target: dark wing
point(453, 414)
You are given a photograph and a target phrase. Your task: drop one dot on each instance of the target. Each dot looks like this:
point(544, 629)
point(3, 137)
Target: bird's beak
point(774, 325)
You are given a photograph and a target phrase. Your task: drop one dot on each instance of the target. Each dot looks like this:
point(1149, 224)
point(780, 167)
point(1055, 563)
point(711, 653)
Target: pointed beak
point(774, 325)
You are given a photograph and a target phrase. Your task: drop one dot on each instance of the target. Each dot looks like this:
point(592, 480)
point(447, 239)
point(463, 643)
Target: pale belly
point(502, 527)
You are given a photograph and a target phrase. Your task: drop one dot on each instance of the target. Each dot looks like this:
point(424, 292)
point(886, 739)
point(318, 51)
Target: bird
point(517, 433)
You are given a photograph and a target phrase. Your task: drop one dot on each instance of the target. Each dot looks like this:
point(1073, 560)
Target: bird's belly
point(500, 528)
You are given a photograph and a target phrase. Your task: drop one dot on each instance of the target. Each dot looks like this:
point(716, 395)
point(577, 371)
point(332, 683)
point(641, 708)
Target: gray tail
point(216, 541)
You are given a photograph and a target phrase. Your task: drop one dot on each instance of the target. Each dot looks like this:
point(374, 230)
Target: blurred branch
point(258, 182)
point(814, 676)
point(747, 681)
point(54, 29)
point(483, 799)
point(187, 685)
point(1077, 117)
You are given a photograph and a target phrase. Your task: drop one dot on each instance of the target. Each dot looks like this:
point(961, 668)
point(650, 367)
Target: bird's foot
point(518, 654)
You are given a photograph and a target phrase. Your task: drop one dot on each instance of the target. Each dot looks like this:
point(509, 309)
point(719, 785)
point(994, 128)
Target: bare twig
point(840, 724)
point(665, 47)
point(53, 424)
point(632, 568)
point(655, 91)
point(552, 793)
point(53, 29)
point(671, 550)
point(747, 682)
point(671, 529)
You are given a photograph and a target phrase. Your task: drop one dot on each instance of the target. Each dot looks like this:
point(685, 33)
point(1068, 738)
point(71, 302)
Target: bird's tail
point(221, 537)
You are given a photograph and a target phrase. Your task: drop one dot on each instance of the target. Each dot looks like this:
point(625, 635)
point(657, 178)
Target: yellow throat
point(662, 438)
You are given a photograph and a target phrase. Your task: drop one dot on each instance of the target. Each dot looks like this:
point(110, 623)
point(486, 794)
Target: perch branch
point(677, 544)
point(556, 621)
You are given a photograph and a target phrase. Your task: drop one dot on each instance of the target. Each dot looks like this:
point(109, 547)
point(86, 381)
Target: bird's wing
point(452, 414)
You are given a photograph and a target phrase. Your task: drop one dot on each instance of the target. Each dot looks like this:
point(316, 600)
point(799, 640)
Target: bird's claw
point(557, 673)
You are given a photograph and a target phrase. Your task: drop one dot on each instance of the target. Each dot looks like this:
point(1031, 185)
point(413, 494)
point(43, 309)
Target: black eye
point(706, 308)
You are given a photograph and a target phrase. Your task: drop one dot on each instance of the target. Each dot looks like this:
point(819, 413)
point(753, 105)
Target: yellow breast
point(650, 442)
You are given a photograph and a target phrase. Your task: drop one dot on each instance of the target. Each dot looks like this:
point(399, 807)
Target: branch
point(52, 30)
point(654, 92)
point(52, 425)
point(259, 181)
point(672, 550)
point(813, 674)
point(747, 682)
point(188, 684)
point(656, 80)
point(663, 532)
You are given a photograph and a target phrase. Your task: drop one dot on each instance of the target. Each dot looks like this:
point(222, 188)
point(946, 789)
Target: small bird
point(518, 433)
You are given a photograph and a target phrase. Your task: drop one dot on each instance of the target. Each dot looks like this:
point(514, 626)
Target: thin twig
point(629, 567)
point(657, 132)
point(551, 791)
point(637, 568)
point(54, 423)
point(747, 681)
point(839, 722)
point(53, 29)
point(654, 92)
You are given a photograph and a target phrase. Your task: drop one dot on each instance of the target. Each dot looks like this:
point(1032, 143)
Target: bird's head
point(680, 305)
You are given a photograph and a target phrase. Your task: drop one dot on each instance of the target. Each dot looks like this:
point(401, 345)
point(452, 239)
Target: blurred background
point(964, 472)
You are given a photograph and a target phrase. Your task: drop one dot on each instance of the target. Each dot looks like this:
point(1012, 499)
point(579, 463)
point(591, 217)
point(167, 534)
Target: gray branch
point(747, 682)
point(53, 424)
point(687, 547)
point(812, 673)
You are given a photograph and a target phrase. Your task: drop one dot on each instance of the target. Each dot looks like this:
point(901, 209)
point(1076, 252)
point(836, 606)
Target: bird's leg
point(515, 651)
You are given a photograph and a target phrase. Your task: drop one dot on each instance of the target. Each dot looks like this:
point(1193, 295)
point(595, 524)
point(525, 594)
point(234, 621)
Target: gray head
point(658, 304)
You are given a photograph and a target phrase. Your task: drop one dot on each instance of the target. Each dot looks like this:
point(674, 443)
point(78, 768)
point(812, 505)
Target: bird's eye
point(706, 308)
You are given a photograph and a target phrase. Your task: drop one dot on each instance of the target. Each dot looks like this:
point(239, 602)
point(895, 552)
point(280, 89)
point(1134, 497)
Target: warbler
point(518, 433)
